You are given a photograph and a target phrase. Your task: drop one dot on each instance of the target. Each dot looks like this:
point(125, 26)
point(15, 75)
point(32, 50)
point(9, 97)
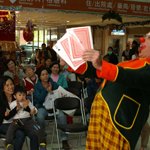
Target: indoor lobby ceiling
point(53, 19)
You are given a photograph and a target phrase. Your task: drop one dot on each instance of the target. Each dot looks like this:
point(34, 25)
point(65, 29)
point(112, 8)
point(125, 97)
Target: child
point(23, 119)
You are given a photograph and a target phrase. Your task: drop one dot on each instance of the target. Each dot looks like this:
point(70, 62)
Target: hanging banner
point(7, 25)
point(122, 7)
point(22, 3)
point(125, 7)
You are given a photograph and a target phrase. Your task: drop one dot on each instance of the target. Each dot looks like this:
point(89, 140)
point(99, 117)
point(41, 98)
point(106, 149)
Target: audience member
point(23, 119)
point(44, 51)
point(111, 56)
point(37, 57)
point(52, 53)
point(6, 98)
point(14, 72)
point(134, 49)
point(63, 70)
point(56, 76)
point(126, 54)
point(45, 85)
point(40, 64)
point(48, 63)
point(30, 80)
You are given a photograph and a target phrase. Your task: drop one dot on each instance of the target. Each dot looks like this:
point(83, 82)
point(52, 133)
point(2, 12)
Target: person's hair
point(20, 89)
point(47, 59)
point(28, 66)
point(37, 50)
point(55, 63)
point(39, 71)
point(3, 98)
point(9, 61)
point(110, 47)
point(3, 81)
point(135, 42)
point(43, 44)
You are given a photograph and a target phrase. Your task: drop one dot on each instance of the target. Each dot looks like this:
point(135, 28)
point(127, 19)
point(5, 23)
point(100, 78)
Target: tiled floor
point(73, 141)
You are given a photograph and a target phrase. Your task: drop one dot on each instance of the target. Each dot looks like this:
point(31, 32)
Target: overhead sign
point(122, 7)
point(22, 3)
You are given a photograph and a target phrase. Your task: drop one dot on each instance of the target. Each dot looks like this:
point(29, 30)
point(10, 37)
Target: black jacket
point(3, 107)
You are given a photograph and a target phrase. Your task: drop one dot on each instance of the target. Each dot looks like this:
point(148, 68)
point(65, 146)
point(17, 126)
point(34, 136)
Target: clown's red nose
point(142, 39)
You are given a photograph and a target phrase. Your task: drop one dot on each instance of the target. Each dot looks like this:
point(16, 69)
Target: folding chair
point(75, 87)
point(51, 122)
point(78, 89)
point(66, 104)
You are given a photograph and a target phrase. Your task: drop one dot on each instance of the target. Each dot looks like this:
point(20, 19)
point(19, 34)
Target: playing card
point(63, 50)
point(72, 45)
point(84, 35)
point(62, 53)
point(75, 47)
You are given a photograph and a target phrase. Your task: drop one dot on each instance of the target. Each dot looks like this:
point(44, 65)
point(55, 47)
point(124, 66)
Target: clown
point(121, 108)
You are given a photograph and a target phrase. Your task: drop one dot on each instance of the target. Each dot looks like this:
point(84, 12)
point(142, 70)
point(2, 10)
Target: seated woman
point(23, 119)
point(70, 76)
point(56, 76)
point(6, 98)
point(45, 85)
point(29, 80)
point(14, 72)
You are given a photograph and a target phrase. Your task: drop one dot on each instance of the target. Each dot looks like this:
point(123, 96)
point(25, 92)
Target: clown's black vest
point(128, 105)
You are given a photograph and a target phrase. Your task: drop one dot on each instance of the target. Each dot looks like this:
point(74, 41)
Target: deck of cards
point(72, 45)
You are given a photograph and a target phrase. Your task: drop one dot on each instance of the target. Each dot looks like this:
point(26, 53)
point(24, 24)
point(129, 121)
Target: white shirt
point(21, 113)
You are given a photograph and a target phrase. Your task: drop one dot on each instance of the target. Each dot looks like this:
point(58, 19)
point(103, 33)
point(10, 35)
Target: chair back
point(75, 87)
point(67, 103)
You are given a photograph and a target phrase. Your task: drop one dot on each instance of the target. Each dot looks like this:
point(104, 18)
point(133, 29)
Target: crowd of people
point(23, 90)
